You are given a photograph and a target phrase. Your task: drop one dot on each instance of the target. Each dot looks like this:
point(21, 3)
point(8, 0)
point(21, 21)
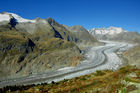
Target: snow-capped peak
point(6, 17)
point(111, 30)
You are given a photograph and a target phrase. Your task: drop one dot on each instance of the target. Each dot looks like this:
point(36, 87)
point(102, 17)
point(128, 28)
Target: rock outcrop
point(132, 56)
point(84, 38)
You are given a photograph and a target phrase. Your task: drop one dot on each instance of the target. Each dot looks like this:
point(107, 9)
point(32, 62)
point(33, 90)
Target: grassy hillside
point(124, 80)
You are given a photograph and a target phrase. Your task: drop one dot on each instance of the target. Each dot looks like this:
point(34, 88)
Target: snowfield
point(6, 17)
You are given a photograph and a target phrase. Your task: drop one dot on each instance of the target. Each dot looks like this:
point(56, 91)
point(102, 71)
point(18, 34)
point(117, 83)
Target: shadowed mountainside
point(48, 48)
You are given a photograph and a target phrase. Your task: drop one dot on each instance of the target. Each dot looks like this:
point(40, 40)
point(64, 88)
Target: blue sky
point(88, 13)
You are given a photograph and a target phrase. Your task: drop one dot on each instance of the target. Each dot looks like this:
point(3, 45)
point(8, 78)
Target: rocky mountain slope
point(21, 56)
point(36, 46)
point(46, 28)
point(85, 39)
point(132, 56)
point(115, 34)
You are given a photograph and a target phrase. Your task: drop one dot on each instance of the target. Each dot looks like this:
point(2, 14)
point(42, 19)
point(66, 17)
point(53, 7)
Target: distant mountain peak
point(110, 31)
point(38, 18)
point(77, 28)
point(51, 21)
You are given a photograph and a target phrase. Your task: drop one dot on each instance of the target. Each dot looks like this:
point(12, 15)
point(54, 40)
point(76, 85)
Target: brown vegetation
point(109, 82)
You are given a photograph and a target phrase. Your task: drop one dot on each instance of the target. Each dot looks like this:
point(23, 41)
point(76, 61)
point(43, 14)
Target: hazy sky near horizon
point(88, 13)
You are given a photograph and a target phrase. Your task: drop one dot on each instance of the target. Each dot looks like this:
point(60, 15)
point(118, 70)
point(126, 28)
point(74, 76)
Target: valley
point(42, 52)
point(97, 58)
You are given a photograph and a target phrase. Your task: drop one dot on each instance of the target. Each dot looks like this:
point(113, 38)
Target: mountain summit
point(5, 16)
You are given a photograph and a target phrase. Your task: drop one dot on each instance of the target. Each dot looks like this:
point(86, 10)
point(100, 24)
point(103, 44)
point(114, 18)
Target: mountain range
point(115, 34)
point(39, 45)
point(107, 31)
point(42, 45)
point(30, 48)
